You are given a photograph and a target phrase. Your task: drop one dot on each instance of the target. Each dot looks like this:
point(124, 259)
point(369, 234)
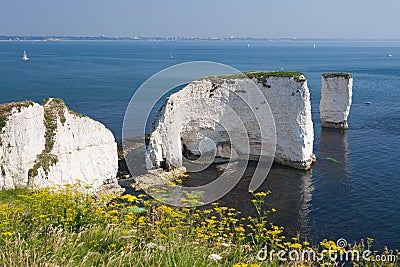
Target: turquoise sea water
point(353, 198)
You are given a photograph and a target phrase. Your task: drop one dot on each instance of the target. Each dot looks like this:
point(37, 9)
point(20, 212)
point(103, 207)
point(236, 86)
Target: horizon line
point(183, 38)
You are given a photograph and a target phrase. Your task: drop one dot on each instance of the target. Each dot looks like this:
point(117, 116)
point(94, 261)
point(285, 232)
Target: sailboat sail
point(24, 56)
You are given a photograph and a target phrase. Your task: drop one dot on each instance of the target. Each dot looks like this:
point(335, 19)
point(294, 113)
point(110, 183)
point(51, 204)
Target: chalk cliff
point(336, 97)
point(207, 116)
point(49, 145)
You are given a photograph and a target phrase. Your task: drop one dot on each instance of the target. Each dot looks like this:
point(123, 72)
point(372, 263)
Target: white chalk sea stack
point(336, 97)
point(287, 94)
point(49, 145)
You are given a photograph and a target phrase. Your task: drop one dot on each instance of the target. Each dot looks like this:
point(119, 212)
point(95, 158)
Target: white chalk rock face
point(53, 146)
point(336, 97)
point(21, 140)
point(290, 103)
point(213, 108)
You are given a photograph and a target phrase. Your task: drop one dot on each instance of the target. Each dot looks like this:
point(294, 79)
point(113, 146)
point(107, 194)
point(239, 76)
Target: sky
point(203, 18)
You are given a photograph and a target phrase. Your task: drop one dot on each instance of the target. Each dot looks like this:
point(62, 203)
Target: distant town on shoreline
point(14, 38)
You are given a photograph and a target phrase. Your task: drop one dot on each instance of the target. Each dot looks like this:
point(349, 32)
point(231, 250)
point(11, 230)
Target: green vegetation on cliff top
point(261, 75)
point(6, 109)
point(336, 75)
point(298, 76)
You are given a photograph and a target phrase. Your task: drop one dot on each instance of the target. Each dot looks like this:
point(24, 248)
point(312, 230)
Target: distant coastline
point(17, 38)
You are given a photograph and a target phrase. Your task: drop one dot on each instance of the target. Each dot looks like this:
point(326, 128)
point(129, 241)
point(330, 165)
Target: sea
point(352, 191)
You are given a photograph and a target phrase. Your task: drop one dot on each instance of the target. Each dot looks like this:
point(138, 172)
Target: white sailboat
point(171, 56)
point(315, 45)
point(25, 57)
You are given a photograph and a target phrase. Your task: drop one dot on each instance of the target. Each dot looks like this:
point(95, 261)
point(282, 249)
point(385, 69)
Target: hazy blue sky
point(257, 18)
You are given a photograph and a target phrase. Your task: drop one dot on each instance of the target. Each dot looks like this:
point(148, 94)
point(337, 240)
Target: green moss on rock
point(337, 75)
point(54, 109)
point(2, 122)
point(44, 160)
point(76, 113)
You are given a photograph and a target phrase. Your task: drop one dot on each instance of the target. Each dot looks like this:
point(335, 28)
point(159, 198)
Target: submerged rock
point(287, 95)
point(152, 179)
point(49, 145)
point(336, 97)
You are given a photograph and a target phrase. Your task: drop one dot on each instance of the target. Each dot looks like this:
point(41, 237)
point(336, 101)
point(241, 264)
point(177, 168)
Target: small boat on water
point(368, 103)
point(390, 55)
point(25, 57)
point(171, 56)
point(315, 45)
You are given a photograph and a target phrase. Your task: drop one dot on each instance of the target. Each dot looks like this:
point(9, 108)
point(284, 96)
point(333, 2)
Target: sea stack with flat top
point(289, 100)
point(336, 94)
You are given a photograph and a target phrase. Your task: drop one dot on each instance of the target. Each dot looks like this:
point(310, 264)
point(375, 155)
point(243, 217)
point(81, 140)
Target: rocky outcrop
point(49, 145)
point(286, 93)
point(153, 178)
point(336, 100)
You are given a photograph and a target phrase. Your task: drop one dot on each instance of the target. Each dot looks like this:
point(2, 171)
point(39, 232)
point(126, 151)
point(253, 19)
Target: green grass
point(261, 75)
point(298, 76)
point(337, 75)
point(68, 228)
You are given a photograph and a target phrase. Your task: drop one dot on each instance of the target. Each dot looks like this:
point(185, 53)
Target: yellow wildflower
point(129, 198)
point(295, 246)
point(239, 229)
point(7, 233)
point(260, 194)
